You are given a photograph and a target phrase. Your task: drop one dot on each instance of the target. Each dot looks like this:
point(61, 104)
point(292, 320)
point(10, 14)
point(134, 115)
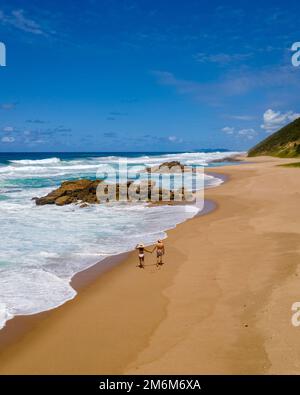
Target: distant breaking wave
point(48, 161)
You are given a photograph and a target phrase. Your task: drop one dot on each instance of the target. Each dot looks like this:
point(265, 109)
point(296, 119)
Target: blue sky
point(141, 75)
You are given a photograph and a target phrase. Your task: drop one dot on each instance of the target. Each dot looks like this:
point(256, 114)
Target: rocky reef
point(168, 167)
point(85, 192)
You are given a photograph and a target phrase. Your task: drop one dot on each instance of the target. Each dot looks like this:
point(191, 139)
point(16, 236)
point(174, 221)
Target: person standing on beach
point(141, 248)
point(160, 251)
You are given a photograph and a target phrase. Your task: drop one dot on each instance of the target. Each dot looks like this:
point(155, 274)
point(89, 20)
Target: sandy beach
point(221, 303)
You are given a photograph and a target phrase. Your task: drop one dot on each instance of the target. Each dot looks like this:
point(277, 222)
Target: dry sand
point(220, 304)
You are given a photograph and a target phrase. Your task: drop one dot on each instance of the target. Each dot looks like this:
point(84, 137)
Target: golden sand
point(220, 304)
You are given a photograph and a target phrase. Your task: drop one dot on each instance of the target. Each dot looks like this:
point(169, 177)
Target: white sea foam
point(4, 315)
point(43, 247)
point(36, 161)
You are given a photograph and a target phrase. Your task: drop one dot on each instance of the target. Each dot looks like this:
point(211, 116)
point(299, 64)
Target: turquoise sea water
point(42, 247)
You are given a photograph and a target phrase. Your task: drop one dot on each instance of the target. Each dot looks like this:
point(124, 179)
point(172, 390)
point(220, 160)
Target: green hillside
point(285, 143)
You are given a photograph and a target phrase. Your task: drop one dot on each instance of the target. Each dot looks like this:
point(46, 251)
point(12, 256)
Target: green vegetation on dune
point(296, 164)
point(284, 144)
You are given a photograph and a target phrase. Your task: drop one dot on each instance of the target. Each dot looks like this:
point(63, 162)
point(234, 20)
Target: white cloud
point(8, 129)
point(39, 141)
point(7, 106)
point(221, 58)
point(233, 83)
point(241, 117)
point(7, 139)
point(250, 133)
point(175, 139)
point(228, 130)
point(18, 20)
point(274, 120)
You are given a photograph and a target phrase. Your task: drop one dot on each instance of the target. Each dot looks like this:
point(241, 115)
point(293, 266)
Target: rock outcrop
point(71, 192)
point(169, 167)
point(171, 164)
point(85, 192)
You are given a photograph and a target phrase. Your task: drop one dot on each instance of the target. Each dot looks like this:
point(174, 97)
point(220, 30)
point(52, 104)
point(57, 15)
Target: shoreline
point(220, 304)
point(19, 325)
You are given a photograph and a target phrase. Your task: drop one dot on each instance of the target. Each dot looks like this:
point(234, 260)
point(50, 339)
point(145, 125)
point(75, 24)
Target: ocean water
point(42, 247)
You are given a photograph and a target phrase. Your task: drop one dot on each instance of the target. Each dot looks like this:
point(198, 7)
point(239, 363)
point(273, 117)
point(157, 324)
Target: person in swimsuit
point(141, 249)
point(160, 251)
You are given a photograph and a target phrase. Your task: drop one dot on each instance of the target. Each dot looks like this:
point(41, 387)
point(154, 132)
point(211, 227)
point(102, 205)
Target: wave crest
point(36, 162)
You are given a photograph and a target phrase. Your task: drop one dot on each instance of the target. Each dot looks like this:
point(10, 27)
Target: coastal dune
point(220, 304)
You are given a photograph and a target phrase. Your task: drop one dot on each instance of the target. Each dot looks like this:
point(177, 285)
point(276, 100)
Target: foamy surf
point(36, 162)
point(42, 248)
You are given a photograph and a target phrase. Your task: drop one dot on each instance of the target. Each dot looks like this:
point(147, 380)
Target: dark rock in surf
point(70, 192)
point(84, 192)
